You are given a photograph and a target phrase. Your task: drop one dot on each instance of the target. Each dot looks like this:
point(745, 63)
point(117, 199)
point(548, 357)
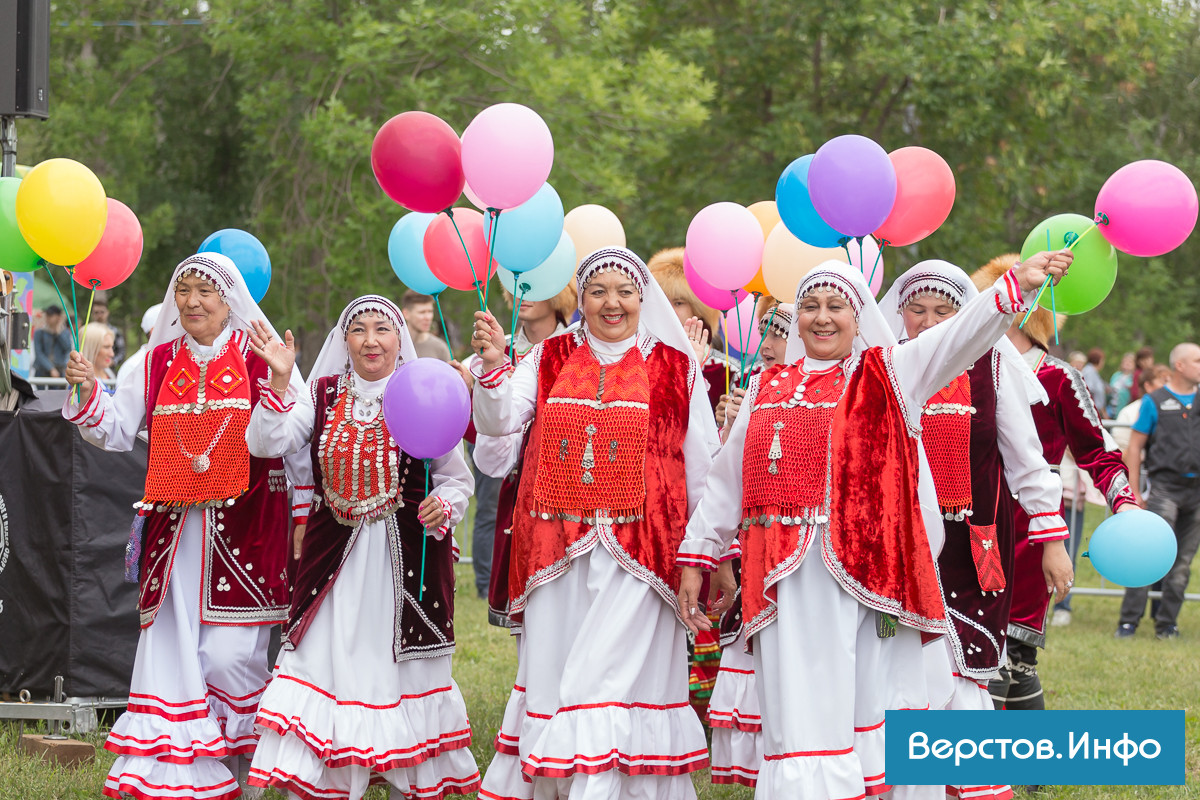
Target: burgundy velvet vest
point(423, 622)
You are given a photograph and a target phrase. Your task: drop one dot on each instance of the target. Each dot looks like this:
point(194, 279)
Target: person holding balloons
point(363, 692)
point(620, 443)
point(1069, 419)
point(209, 543)
point(981, 445)
point(822, 482)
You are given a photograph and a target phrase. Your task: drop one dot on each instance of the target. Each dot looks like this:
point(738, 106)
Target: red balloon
point(118, 253)
point(924, 196)
point(417, 159)
point(444, 252)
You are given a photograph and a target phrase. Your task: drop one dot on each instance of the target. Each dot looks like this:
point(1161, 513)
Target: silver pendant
point(200, 463)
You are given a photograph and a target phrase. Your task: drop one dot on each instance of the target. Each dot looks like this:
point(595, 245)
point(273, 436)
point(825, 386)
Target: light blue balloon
point(525, 236)
point(796, 210)
point(1133, 548)
point(407, 253)
point(247, 254)
point(546, 279)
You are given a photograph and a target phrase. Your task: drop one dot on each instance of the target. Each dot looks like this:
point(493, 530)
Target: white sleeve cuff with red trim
point(89, 414)
point(268, 398)
point(700, 553)
point(1009, 298)
point(440, 532)
point(1047, 527)
point(301, 501)
point(491, 380)
point(734, 551)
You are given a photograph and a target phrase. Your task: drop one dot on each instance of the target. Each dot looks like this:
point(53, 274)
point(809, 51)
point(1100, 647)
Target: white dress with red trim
point(352, 705)
point(828, 663)
point(201, 662)
point(733, 714)
point(600, 704)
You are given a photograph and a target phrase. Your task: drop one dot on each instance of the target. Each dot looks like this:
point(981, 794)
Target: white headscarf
point(221, 272)
point(945, 280)
point(847, 281)
point(657, 317)
point(334, 355)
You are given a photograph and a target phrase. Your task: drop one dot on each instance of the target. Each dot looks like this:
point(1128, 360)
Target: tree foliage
point(261, 117)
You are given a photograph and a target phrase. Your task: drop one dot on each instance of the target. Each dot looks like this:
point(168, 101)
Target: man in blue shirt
point(1168, 430)
point(52, 344)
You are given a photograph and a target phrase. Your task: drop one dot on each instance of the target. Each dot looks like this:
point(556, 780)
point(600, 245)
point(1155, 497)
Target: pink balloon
point(507, 152)
point(747, 340)
point(720, 299)
point(473, 198)
point(725, 245)
point(1150, 207)
point(869, 261)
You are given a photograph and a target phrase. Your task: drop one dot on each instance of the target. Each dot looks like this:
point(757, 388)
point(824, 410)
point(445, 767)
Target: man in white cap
point(138, 359)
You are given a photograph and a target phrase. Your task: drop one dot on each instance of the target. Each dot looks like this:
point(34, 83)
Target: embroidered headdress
point(778, 318)
point(335, 355)
point(849, 283)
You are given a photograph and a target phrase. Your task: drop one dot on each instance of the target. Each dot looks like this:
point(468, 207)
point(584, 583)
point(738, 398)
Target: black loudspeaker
point(25, 58)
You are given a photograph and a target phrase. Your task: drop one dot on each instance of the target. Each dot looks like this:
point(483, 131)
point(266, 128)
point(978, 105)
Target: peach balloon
point(786, 260)
point(592, 227)
point(768, 217)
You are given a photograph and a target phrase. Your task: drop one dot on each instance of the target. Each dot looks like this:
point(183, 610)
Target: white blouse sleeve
point(111, 422)
point(1038, 490)
point(929, 362)
point(700, 443)
point(497, 455)
point(453, 484)
point(505, 398)
point(280, 429)
point(714, 523)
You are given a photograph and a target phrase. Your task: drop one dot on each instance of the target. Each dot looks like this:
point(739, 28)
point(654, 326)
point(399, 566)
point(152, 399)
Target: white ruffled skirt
point(600, 706)
point(340, 714)
point(733, 714)
point(193, 695)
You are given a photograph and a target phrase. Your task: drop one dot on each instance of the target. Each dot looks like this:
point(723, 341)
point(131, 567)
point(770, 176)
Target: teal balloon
point(525, 236)
point(546, 279)
point(1133, 548)
point(15, 253)
point(406, 252)
point(1093, 272)
point(247, 254)
point(796, 210)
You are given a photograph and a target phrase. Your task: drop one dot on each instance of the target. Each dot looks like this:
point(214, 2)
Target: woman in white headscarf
point(362, 693)
point(621, 440)
point(827, 457)
point(210, 542)
point(983, 447)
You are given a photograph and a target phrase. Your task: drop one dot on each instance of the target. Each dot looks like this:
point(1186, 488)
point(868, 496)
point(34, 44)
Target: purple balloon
point(426, 407)
point(852, 184)
point(711, 296)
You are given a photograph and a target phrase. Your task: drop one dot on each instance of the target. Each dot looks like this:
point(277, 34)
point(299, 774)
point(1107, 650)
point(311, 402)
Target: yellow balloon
point(786, 260)
point(592, 227)
point(768, 217)
point(61, 211)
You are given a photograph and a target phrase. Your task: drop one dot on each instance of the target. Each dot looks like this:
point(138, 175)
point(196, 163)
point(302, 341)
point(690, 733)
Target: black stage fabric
point(65, 514)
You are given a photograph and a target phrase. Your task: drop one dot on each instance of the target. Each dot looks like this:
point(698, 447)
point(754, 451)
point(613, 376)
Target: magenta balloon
point(507, 153)
point(720, 299)
point(1151, 208)
point(725, 245)
point(852, 183)
point(426, 407)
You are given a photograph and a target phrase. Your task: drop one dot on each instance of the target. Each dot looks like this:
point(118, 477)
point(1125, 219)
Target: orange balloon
point(768, 217)
point(786, 260)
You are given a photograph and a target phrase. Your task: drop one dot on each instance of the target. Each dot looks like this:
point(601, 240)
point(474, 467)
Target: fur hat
point(565, 303)
point(1040, 326)
point(667, 268)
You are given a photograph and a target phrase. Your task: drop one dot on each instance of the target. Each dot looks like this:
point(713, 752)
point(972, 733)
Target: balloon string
point(84, 329)
point(737, 309)
point(512, 339)
point(871, 280)
point(845, 243)
point(770, 319)
point(437, 302)
point(493, 229)
point(74, 307)
point(70, 322)
point(862, 267)
point(1054, 313)
point(725, 334)
point(475, 275)
point(1033, 306)
point(425, 538)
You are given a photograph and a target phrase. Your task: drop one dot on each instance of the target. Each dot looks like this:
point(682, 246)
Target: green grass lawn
point(1084, 667)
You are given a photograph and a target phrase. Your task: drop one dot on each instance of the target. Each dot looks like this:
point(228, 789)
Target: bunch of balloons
point(1146, 208)
point(59, 214)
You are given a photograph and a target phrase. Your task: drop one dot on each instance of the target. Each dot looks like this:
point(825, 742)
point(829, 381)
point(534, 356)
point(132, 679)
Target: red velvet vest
point(424, 627)
point(246, 540)
point(645, 544)
point(874, 540)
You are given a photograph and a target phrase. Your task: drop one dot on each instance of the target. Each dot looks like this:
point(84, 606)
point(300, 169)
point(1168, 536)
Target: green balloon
point(15, 254)
point(1092, 273)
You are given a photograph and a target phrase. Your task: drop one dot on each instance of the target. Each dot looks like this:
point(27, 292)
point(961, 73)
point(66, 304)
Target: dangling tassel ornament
point(885, 625)
point(776, 451)
point(589, 462)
